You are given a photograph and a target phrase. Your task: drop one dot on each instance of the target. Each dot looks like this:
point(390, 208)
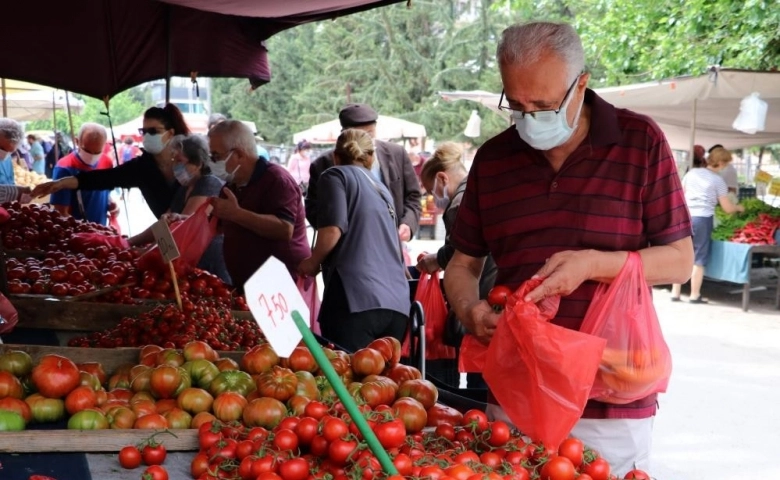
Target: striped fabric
point(618, 191)
point(703, 188)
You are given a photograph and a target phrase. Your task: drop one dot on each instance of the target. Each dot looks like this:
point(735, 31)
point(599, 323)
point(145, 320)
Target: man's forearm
point(663, 264)
point(461, 282)
point(266, 226)
point(327, 238)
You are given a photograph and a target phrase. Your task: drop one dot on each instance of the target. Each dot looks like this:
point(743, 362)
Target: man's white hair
point(524, 44)
point(236, 136)
point(11, 130)
point(91, 130)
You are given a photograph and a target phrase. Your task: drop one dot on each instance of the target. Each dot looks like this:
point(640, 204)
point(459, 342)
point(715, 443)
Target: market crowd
point(564, 195)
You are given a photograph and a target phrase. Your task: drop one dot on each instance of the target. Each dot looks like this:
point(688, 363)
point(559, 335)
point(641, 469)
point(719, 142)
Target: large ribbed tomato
point(55, 376)
point(279, 383)
point(167, 381)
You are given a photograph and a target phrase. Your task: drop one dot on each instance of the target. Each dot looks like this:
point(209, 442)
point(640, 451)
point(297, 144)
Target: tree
point(123, 107)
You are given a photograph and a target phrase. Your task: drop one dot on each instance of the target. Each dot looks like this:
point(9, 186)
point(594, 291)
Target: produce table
point(731, 262)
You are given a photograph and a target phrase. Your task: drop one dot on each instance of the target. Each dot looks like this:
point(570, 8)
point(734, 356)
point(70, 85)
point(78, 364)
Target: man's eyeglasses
point(150, 131)
point(538, 114)
point(218, 158)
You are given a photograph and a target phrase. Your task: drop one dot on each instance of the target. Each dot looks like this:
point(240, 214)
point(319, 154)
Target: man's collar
point(604, 127)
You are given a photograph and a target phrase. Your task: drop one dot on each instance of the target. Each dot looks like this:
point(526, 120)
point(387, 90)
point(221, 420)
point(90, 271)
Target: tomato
point(154, 453)
point(368, 361)
point(79, 399)
point(155, 472)
point(301, 359)
point(197, 350)
point(498, 434)
point(232, 381)
point(10, 386)
point(55, 376)
point(229, 406)
point(377, 390)
point(285, 440)
point(475, 420)
point(412, 413)
point(391, 434)
point(637, 475)
point(498, 296)
point(120, 417)
point(95, 369)
point(170, 357)
point(151, 421)
point(201, 372)
point(466, 457)
point(315, 409)
point(573, 449)
point(421, 390)
point(340, 450)
point(16, 362)
point(558, 468)
point(130, 457)
point(459, 471)
point(440, 414)
point(259, 359)
point(279, 383)
point(432, 473)
point(268, 476)
point(264, 412)
point(45, 409)
point(178, 418)
point(598, 469)
point(200, 465)
point(334, 428)
point(194, 400)
point(89, 419)
point(307, 385)
point(294, 469)
point(167, 381)
point(11, 421)
point(88, 380)
point(15, 405)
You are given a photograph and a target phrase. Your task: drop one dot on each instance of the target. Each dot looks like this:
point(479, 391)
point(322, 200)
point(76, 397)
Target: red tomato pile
point(173, 328)
point(39, 227)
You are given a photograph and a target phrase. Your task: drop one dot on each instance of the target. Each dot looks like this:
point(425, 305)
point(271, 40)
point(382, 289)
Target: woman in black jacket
point(152, 172)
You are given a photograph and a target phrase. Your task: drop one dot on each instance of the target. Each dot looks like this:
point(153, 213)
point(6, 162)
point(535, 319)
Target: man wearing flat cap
point(394, 169)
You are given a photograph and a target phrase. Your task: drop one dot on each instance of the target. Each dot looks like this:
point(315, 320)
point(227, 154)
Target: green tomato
point(17, 362)
point(45, 409)
point(88, 420)
point(202, 372)
point(232, 381)
point(10, 421)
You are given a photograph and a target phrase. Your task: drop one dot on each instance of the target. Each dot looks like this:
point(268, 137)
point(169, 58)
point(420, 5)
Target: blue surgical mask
point(183, 176)
point(443, 201)
point(154, 143)
point(547, 129)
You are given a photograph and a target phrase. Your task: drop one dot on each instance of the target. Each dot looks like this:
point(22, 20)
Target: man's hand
point(427, 263)
point(169, 218)
point(46, 189)
point(483, 321)
point(309, 268)
point(224, 208)
point(563, 273)
point(25, 194)
point(404, 232)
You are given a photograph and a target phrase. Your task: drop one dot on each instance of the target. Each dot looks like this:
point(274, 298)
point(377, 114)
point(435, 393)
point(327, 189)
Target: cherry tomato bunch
point(151, 452)
point(173, 328)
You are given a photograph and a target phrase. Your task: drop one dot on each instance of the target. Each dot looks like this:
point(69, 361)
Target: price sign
point(165, 242)
point(762, 176)
point(271, 296)
point(774, 187)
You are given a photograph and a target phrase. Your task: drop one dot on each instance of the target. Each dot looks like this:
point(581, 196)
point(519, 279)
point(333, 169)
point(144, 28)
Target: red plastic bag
point(472, 355)
point(81, 241)
point(540, 373)
point(312, 298)
point(8, 315)
point(429, 294)
point(192, 237)
point(636, 362)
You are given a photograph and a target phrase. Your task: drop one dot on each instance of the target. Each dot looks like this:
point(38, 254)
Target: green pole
point(343, 394)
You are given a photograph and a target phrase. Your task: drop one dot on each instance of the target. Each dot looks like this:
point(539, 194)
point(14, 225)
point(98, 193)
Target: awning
point(387, 128)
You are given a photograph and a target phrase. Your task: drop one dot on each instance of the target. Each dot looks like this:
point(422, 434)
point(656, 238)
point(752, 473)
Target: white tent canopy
point(670, 103)
point(26, 106)
point(197, 122)
point(387, 128)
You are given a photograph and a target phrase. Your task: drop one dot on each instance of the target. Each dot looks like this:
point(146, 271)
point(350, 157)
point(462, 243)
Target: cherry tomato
point(154, 454)
point(130, 457)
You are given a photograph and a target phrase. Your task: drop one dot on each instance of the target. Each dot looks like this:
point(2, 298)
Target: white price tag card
point(165, 242)
point(272, 296)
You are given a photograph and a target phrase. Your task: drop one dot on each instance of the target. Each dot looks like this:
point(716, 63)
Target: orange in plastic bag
point(429, 294)
point(192, 237)
point(636, 362)
point(540, 373)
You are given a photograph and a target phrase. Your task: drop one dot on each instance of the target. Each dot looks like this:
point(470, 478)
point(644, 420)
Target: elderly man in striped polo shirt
point(565, 193)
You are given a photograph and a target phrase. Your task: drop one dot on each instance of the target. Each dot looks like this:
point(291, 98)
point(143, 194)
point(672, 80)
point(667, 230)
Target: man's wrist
point(605, 266)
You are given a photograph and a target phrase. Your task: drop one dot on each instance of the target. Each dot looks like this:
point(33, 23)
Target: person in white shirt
point(729, 173)
point(704, 190)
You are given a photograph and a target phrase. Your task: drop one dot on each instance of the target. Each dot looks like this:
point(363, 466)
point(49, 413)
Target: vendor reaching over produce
point(197, 186)
point(90, 205)
point(10, 137)
point(564, 194)
point(704, 190)
point(260, 211)
point(152, 172)
point(366, 290)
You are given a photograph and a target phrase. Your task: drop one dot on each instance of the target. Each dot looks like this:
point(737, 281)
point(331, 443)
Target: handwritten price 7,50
point(276, 308)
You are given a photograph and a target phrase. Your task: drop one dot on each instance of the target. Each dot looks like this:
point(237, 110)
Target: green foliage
point(124, 107)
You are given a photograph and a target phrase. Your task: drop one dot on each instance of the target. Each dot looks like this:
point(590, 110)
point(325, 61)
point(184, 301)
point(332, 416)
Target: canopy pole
point(70, 116)
point(54, 128)
point(5, 102)
point(693, 135)
point(168, 54)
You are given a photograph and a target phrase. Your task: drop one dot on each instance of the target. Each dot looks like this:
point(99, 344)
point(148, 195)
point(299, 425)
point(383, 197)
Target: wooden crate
point(30, 441)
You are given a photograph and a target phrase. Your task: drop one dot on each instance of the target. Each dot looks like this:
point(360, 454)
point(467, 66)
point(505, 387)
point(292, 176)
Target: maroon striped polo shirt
point(619, 190)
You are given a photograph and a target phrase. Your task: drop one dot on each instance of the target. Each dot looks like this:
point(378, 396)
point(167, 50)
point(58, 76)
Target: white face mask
point(4, 154)
point(444, 200)
point(154, 143)
point(547, 129)
point(219, 169)
point(89, 158)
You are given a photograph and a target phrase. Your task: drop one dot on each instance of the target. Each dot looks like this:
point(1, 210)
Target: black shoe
point(698, 300)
